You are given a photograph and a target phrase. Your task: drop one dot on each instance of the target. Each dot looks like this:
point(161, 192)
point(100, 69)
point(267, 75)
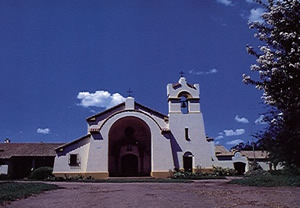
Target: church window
point(129, 138)
point(129, 147)
point(186, 131)
point(74, 160)
point(237, 154)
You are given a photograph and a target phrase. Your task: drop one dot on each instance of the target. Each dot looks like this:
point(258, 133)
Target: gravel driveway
point(208, 193)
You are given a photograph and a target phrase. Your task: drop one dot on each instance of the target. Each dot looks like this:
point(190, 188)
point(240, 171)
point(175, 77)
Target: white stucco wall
point(4, 169)
point(192, 121)
point(198, 145)
point(61, 162)
point(160, 146)
point(264, 165)
point(97, 160)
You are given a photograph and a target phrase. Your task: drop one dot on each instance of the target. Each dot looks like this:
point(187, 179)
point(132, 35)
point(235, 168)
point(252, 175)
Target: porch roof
point(8, 150)
point(222, 151)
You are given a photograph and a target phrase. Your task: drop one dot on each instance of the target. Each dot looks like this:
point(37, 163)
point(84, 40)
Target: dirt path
point(209, 193)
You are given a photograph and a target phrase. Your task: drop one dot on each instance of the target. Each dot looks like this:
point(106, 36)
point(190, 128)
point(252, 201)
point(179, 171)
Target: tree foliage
point(247, 146)
point(278, 66)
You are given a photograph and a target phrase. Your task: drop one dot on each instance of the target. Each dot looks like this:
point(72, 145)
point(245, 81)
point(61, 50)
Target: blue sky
point(62, 61)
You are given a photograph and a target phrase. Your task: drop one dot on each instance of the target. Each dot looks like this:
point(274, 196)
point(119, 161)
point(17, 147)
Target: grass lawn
point(10, 191)
point(269, 180)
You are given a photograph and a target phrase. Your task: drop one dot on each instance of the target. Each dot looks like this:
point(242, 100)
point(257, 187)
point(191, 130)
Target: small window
point(237, 154)
point(74, 160)
point(186, 130)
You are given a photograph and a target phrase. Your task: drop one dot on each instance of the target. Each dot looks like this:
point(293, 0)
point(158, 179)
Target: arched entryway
point(239, 167)
point(188, 162)
point(129, 148)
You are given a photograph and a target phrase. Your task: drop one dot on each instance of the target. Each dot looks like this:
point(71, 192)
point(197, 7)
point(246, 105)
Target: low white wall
point(4, 169)
point(61, 163)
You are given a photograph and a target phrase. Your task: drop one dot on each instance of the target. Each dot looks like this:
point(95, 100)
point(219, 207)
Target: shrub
point(254, 166)
point(4, 177)
point(71, 178)
point(257, 172)
point(41, 173)
point(219, 171)
point(268, 180)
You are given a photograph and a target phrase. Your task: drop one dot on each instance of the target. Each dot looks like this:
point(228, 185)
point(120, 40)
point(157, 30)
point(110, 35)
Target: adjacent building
point(17, 160)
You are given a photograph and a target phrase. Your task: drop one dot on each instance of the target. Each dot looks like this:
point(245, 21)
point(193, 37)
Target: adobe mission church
point(131, 140)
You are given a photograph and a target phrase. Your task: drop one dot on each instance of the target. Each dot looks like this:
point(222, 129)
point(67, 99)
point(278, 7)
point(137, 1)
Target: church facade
point(131, 140)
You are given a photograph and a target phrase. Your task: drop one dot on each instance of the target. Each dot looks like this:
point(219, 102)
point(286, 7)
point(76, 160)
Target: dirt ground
point(208, 193)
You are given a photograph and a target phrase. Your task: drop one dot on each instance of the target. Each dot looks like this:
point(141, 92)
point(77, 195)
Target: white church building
point(131, 139)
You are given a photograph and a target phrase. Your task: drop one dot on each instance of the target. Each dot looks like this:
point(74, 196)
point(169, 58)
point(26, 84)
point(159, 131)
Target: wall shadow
point(175, 149)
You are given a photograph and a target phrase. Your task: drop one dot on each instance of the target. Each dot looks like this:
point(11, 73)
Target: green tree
point(247, 146)
point(278, 66)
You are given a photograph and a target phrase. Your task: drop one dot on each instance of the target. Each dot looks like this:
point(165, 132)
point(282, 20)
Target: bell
point(183, 105)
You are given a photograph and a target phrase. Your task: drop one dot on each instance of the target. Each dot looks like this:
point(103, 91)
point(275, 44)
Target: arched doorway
point(239, 167)
point(188, 162)
point(129, 165)
point(129, 148)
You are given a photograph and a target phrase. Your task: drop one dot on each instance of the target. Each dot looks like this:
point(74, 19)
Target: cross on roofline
point(129, 91)
point(181, 73)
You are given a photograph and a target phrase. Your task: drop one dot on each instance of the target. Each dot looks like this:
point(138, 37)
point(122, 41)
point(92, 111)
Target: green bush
point(257, 172)
point(4, 177)
point(219, 171)
point(269, 180)
point(254, 166)
point(71, 178)
point(41, 173)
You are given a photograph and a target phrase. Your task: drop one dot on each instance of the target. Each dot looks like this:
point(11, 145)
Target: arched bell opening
point(129, 148)
point(184, 103)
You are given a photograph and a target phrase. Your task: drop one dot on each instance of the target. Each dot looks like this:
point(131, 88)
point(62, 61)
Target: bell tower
point(187, 126)
point(183, 97)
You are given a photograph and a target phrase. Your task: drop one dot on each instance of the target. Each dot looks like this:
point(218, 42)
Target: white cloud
point(43, 131)
point(219, 137)
point(231, 132)
point(260, 120)
point(99, 99)
point(235, 142)
point(211, 71)
point(225, 2)
point(241, 119)
point(255, 15)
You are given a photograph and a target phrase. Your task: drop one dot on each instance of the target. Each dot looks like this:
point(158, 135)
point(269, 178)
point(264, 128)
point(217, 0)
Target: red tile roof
point(8, 150)
point(63, 145)
point(222, 151)
point(257, 154)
